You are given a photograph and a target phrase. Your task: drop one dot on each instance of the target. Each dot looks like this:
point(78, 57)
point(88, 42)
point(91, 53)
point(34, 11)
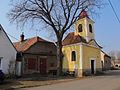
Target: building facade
point(82, 54)
point(35, 55)
point(7, 53)
point(106, 61)
point(115, 63)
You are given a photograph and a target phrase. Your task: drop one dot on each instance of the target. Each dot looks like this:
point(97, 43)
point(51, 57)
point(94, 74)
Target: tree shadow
point(8, 84)
point(112, 73)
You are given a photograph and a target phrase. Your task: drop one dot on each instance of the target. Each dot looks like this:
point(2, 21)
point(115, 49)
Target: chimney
point(22, 37)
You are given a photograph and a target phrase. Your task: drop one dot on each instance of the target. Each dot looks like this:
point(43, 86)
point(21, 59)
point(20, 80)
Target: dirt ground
point(11, 84)
point(109, 81)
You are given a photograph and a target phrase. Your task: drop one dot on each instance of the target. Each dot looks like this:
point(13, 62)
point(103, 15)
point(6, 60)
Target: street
point(109, 81)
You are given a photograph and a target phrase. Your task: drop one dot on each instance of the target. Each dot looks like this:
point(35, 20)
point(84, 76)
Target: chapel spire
point(84, 26)
point(83, 14)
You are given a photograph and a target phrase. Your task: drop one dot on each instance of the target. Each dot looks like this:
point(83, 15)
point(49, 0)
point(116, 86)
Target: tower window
point(90, 28)
point(80, 28)
point(73, 56)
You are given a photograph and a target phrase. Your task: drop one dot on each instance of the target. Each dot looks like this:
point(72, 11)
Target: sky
point(107, 27)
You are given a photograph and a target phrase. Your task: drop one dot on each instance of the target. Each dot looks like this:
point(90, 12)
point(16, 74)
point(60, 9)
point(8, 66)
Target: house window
point(90, 28)
point(73, 56)
point(80, 28)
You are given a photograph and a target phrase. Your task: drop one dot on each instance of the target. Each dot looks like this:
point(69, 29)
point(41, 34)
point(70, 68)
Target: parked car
point(2, 76)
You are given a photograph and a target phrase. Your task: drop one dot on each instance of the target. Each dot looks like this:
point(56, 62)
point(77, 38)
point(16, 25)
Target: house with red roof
point(35, 55)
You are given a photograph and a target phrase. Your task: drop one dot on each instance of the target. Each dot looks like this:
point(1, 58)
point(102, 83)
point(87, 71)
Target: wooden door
point(31, 64)
point(43, 66)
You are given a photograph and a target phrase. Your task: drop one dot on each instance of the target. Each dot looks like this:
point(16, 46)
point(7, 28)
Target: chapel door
point(92, 67)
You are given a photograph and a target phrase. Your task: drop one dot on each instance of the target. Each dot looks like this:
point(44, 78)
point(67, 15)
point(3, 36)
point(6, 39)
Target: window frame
point(90, 28)
point(80, 29)
point(73, 56)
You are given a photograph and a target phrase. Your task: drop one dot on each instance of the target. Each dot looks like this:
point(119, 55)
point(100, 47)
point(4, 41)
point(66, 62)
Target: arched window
point(80, 28)
point(90, 28)
point(73, 56)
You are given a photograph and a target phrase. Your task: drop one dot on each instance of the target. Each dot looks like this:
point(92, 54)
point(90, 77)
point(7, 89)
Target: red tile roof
point(116, 60)
point(27, 43)
point(83, 14)
point(71, 38)
point(106, 54)
point(95, 43)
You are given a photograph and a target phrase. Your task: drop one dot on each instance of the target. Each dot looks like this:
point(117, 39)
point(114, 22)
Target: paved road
point(109, 81)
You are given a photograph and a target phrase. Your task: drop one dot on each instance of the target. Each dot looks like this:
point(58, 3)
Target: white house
point(7, 53)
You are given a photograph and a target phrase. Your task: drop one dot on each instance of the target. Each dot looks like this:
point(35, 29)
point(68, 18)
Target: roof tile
point(71, 38)
point(26, 44)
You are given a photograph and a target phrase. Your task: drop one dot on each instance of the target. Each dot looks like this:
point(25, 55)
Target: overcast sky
point(107, 28)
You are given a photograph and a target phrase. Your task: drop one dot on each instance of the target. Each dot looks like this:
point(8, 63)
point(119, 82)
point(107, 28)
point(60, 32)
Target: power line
point(12, 37)
point(114, 11)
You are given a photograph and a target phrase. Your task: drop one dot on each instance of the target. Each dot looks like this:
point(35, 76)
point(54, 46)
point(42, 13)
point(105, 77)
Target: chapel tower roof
point(83, 14)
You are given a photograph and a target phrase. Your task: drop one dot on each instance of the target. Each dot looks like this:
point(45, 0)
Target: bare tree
point(112, 54)
point(118, 54)
point(115, 54)
point(59, 15)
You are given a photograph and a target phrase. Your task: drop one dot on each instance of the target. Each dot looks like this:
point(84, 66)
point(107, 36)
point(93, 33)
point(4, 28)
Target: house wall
point(8, 53)
point(102, 57)
point(42, 47)
point(37, 51)
point(91, 53)
point(106, 61)
point(49, 60)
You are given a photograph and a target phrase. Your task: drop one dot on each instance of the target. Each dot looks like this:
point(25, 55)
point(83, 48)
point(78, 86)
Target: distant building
point(106, 61)
point(82, 54)
point(7, 53)
point(116, 63)
point(35, 55)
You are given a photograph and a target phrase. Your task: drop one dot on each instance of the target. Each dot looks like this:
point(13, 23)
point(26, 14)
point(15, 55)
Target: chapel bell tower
point(84, 26)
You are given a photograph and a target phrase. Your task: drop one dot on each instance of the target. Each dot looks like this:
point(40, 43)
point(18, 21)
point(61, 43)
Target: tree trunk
point(59, 58)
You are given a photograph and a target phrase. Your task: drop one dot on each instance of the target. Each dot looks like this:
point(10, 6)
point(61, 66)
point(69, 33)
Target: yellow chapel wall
point(88, 53)
point(68, 64)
